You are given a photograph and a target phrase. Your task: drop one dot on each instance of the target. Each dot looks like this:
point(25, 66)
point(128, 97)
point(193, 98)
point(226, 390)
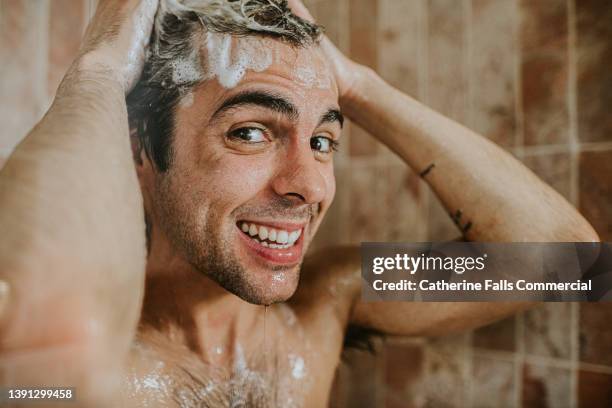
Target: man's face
point(251, 173)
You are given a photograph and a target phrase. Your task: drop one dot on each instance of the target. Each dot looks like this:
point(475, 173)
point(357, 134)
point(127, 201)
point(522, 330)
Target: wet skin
point(257, 163)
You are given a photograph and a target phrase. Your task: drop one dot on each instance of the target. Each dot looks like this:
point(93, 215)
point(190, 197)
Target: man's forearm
point(71, 218)
point(489, 194)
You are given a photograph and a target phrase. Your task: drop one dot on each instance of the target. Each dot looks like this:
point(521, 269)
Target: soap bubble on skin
point(249, 54)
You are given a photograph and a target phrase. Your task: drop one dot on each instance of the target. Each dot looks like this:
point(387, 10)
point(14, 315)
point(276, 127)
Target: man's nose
point(300, 179)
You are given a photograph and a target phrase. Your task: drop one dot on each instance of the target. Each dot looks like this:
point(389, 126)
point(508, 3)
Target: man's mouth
point(271, 237)
point(280, 243)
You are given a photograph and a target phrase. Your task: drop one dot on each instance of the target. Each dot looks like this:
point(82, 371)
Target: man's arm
point(72, 250)
point(490, 195)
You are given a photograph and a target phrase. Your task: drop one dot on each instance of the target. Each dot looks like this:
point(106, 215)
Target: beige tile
point(66, 28)
point(447, 59)
point(22, 89)
point(547, 330)
point(493, 382)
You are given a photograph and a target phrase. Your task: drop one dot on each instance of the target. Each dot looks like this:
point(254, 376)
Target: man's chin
point(268, 286)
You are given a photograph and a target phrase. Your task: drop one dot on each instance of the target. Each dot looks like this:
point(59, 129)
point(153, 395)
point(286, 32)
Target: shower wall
point(534, 76)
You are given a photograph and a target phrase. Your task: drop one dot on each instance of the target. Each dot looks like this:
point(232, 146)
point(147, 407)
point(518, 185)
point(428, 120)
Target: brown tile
point(547, 330)
point(404, 211)
point(596, 191)
point(363, 49)
point(594, 390)
point(596, 333)
point(543, 25)
point(447, 378)
point(554, 169)
point(334, 228)
point(493, 382)
point(404, 374)
point(22, 85)
point(497, 336)
point(544, 97)
point(66, 27)
point(398, 44)
point(366, 202)
point(492, 70)
point(546, 387)
point(447, 81)
point(329, 15)
point(399, 39)
point(594, 77)
point(544, 71)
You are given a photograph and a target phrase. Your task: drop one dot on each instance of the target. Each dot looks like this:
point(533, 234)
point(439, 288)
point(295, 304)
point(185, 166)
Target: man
point(233, 125)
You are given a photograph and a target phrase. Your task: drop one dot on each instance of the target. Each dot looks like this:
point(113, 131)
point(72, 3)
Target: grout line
point(553, 362)
point(469, 368)
point(598, 368)
point(545, 149)
point(519, 357)
point(344, 44)
point(468, 122)
point(595, 146)
point(574, 181)
point(469, 63)
point(572, 104)
point(574, 352)
point(519, 135)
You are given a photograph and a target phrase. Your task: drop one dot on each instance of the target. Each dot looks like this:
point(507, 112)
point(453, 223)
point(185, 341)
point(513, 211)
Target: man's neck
point(187, 307)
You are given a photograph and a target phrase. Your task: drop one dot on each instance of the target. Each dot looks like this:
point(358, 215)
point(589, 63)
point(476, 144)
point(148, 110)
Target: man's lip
point(288, 256)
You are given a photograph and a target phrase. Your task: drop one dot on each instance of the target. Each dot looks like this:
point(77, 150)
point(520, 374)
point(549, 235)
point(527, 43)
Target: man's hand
point(72, 248)
point(347, 72)
point(117, 38)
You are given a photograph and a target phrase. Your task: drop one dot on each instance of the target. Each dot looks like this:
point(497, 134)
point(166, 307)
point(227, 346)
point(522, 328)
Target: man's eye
point(249, 135)
point(323, 144)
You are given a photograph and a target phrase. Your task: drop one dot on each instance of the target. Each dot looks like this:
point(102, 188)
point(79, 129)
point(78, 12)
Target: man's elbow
point(578, 231)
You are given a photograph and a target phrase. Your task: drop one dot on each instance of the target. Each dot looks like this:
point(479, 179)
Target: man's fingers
point(4, 297)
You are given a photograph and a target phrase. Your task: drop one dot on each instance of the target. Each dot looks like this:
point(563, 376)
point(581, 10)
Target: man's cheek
point(240, 176)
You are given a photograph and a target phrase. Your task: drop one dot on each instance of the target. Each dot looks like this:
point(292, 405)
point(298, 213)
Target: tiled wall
point(533, 75)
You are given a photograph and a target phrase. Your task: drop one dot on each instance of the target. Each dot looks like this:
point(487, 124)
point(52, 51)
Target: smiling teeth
point(278, 239)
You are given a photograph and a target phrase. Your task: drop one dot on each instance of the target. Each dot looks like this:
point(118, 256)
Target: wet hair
point(152, 102)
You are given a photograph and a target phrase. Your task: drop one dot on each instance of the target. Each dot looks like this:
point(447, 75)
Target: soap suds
point(298, 368)
point(229, 68)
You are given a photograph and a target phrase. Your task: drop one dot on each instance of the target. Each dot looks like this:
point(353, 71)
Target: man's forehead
point(228, 59)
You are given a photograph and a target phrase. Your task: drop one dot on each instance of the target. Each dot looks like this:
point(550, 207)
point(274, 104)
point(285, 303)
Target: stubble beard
point(208, 250)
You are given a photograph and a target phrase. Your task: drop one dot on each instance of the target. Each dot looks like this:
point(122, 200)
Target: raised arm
point(491, 196)
point(72, 250)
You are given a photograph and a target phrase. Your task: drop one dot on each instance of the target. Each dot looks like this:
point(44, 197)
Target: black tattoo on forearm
point(427, 170)
point(456, 217)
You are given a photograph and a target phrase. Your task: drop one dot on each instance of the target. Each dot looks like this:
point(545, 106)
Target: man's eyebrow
point(332, 115)
point(264, 99)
